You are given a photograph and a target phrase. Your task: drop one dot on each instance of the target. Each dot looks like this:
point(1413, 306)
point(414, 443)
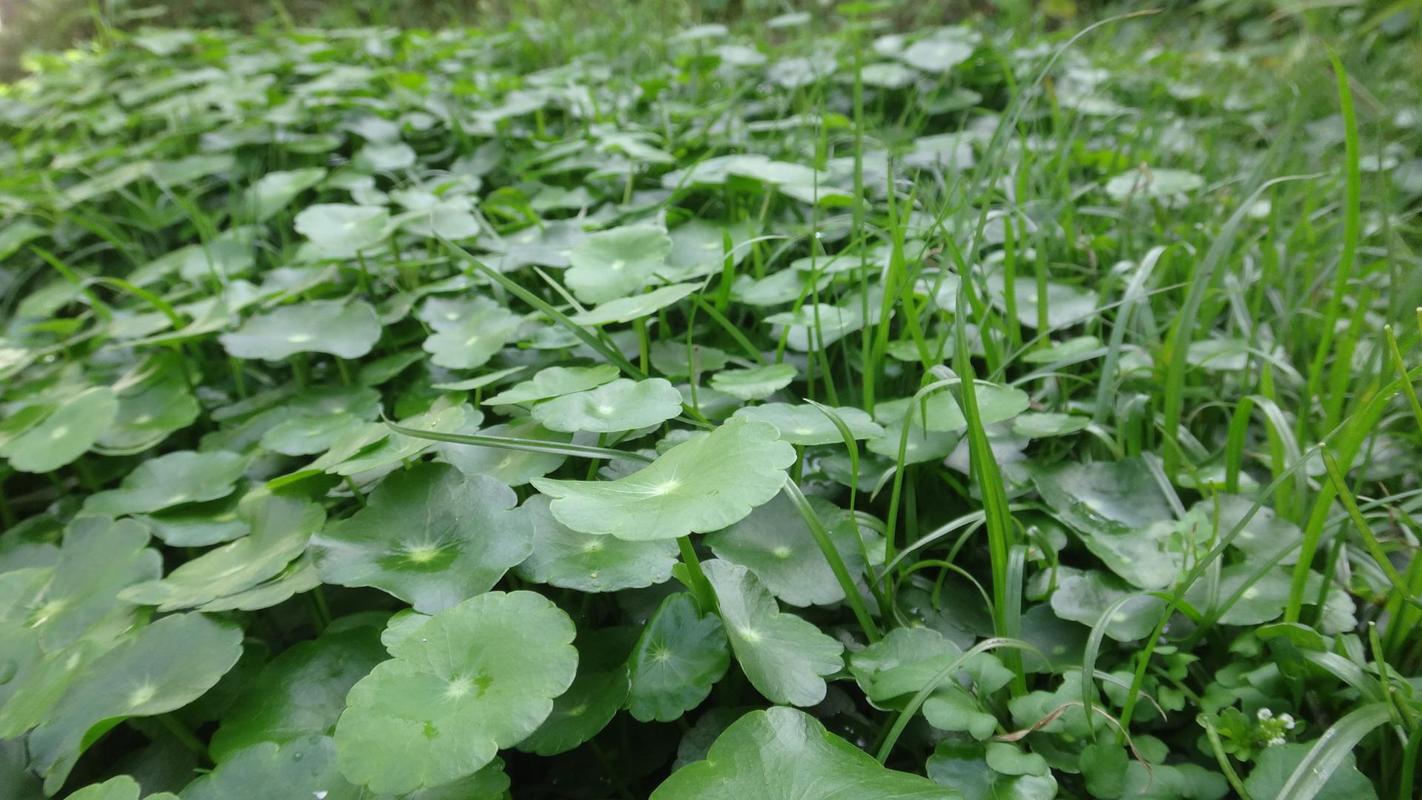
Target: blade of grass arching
point(852, 446)
point(1283, 447)
point(512, 287)
point(1012, 613)
point(1401, 619)
point(1342, 373)
point(1182, 332)
point(1330, 750)
point(1370, 541)
point(1352, 231)
point(730, 328)
point(898, 289)
point(159, 304)
point(983, 468)
point(698, 583)
point(79, 282)
point(891, 519)
point(1402, 713)
point(904, 717)
point(1372, 408)
point(1234, 443)
point(870, 373)
point(1091, 651)
point(1134, 294)
point(517, 443)
point(1212, 735)
point(1353, 432)
point(1409, 764)
point(1401, 366)
point(836, 563)
point(1009, 292)
point(970, 519)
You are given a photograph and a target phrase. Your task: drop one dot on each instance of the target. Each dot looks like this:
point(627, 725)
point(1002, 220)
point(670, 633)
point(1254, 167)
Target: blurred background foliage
point(29, 26)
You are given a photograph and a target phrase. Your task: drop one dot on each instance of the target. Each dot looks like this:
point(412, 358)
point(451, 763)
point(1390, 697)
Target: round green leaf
point(1170, 185)
point(588, 562)
point(306, 435)
point(347, 330)
point(1121, 515)
point(950, 708)
point(1039, 426)
point(153, 402)
point(381, 448)
point(428, 535)
point(700, 485)
point(806, 425)
point(1062, 351)
point(597, 693)
point(1263, 538)
point(275, 191)
point(554, 382)
point(280, 527)
point(340, 230)
point(963, 766)
point(296, 577)
point(162, 667)
point(754, 383)
point(506, 465)
point(679, 657)
point(775, 543)
point(304, 767)
point(385, 156)
point(1066, 305)
point(65, 434)
point(617, 262)
point(622, 405)
point(674, 360)
point(467, 333)
point(783, 656)
point(785, 754)
point(170, 480)
point(1084, 596)
point(221, 259)
point(919, 446)
point(626, 309)
point(197, 524)
point(939, 412)
point(122, 787)
point(98, 559)
point(1185, 781)
point(1274, 765)
point(477, 677)
point(941, 51)
point(908, 659)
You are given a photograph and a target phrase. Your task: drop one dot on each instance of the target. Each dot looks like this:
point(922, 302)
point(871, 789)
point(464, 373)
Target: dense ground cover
point(818, 410)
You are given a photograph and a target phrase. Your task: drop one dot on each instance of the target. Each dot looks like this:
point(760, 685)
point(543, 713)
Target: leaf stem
point(700, 587)
point(836, 562)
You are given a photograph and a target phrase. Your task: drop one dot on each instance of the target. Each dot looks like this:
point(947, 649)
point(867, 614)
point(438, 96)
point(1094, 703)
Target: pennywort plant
point(679, 403)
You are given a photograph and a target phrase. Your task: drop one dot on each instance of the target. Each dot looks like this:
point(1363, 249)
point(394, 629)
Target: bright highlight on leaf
point(475, 678)
point(428, 535)
point(703, 484)
point(784, 754)
point(784, 657)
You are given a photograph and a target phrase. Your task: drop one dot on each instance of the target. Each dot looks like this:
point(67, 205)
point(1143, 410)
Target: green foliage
point(678, 400)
